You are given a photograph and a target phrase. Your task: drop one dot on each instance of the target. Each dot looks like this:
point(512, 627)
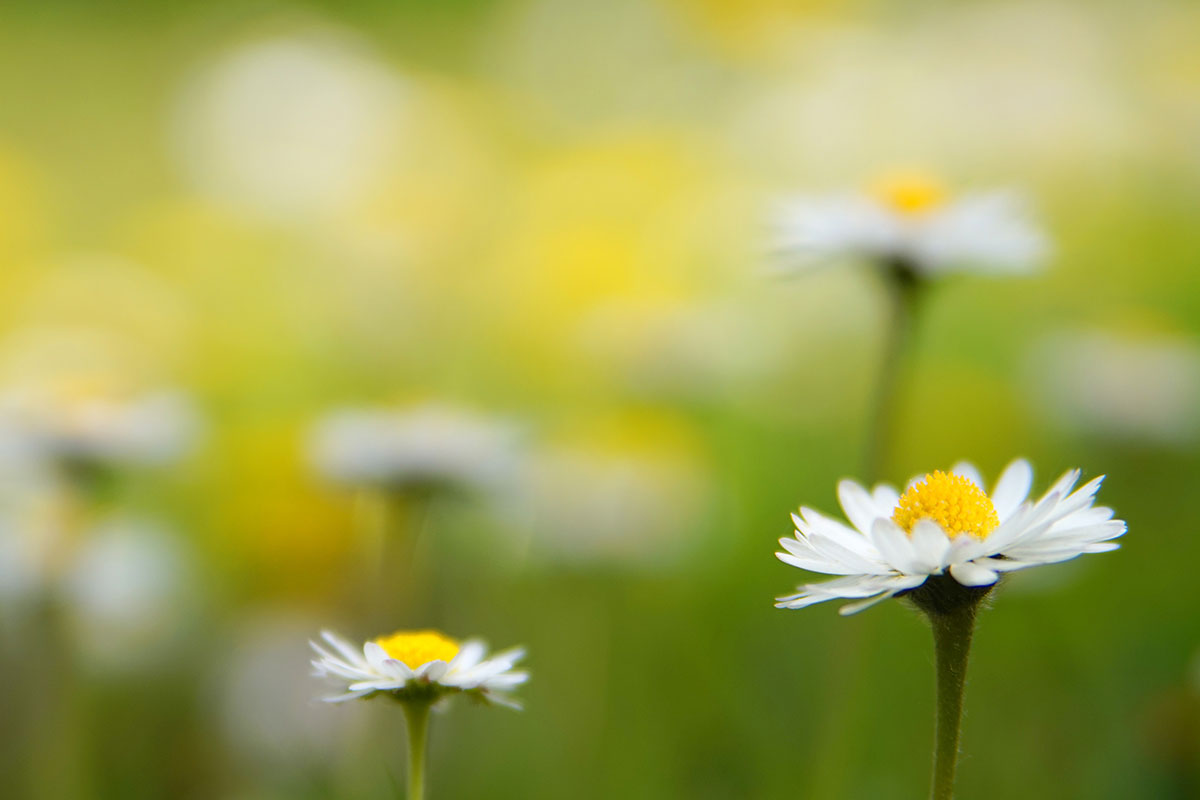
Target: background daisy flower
point(418, 669)
point(424, 446)
point(418, 664)
point(911, 220)
point(943, 524)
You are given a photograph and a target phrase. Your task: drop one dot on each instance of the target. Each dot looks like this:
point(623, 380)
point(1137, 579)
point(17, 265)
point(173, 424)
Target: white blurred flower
point(292, 126)
point(943, 524)
point(1139, 389)
point(418, 664)
point(910, 221)
point(421, 447)
point(127, 590)
point(70, 421)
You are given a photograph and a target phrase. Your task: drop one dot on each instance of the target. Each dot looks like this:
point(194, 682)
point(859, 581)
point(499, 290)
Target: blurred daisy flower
point(910, 221)
point(1134, 389)
point(293, 127)
point(418, 666)
point(129, 588)
point(944, 524)
point(87, 420)
point(425, 447)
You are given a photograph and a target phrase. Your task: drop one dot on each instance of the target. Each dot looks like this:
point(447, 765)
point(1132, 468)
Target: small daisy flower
point(422, 447)
point(85, 421)
point(421, 666)
point(910, 220)
point(943, 524)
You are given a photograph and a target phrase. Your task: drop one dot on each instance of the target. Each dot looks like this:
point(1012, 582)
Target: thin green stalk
point(952, 632)
point(904, 292)
point(416, 714)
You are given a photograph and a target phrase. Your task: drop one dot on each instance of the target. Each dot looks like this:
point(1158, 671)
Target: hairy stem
point(952, 632)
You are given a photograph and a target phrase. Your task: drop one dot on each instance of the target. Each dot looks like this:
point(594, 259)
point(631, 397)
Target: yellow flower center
point(415, 648)
point(952, 501)
point(910, 193)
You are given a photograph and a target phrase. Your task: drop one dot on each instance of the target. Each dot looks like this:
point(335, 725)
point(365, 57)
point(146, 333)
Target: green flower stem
point(904, 288)
point(416, 714)
point(952, 631)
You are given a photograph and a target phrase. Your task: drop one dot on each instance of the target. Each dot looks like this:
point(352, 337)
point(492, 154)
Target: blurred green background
point(553, 212)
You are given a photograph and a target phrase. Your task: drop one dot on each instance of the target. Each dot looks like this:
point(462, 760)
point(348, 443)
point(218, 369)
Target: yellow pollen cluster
point(910, 193)
point(952, 501)
point(415, 648)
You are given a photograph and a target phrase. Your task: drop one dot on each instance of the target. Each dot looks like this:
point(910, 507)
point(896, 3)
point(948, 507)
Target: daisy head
point(90, 420)
point(423, 447)
point(418, 665)
point(910, 221)
point(944, 533)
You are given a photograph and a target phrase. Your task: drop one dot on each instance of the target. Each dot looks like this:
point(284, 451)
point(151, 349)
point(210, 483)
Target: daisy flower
point(944, 524)
point(910, 221)
point(83, 422)
point(418, 666)
point(418, 669)
point(944, 543)
point(424, 446)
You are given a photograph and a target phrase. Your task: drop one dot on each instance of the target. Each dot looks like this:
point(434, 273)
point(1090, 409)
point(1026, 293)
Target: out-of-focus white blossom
point(909, 220)
point(67, 421)
point(427, 446)
point(128, 589)
point(293, 126)
point(1132, 388)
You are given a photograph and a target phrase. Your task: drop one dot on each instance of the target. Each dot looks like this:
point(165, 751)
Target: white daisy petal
point(504, 700)
point(972, 574)
point(894, 545)
point(858, 504)
point(377, 658)
point(341, 698)
point(814, 565)
point(969, 471)
point(863, 605)
point(351, 654)
point(1012, 488)
point(432, 670)
point(1063, 485)
point(471, 653)
point(886, 498)
point(836, 551)
point(845, 536)
point(930, 546)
